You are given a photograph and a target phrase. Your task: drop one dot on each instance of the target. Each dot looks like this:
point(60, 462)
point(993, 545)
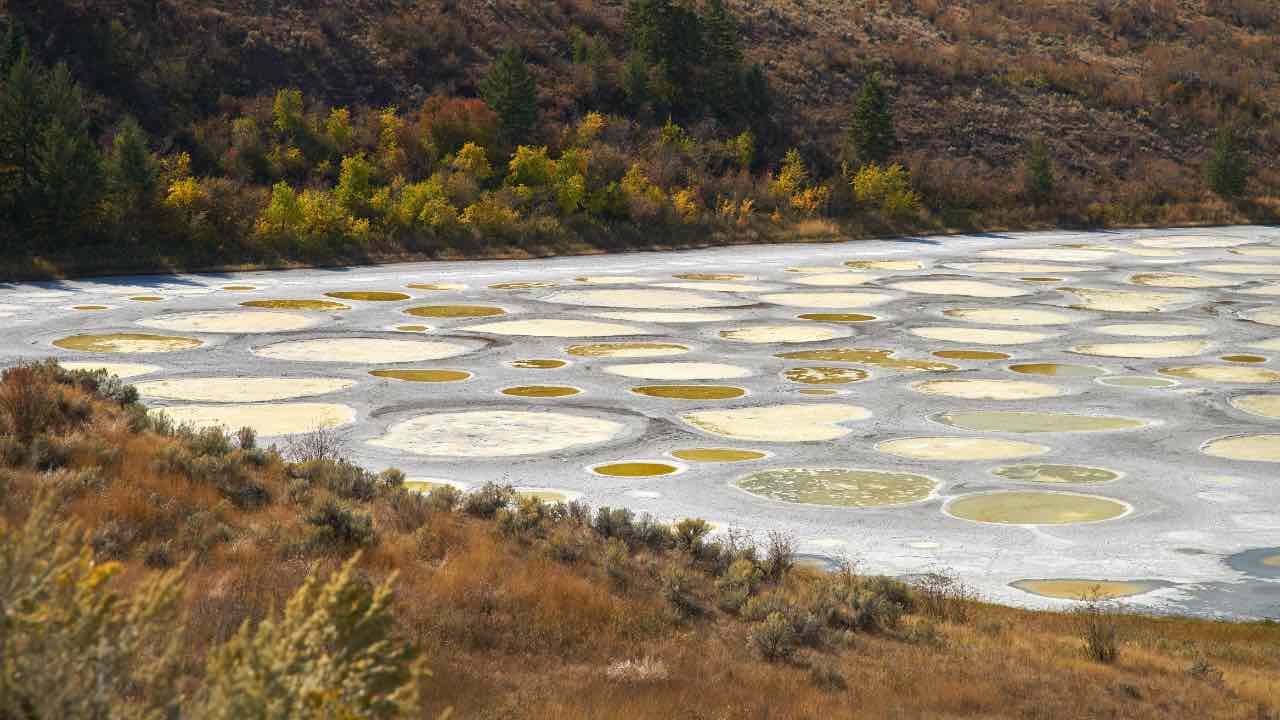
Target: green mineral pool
point(840, 487)
point(1026, 507)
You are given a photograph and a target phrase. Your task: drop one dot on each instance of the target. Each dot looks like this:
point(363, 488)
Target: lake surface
point(1013, 408)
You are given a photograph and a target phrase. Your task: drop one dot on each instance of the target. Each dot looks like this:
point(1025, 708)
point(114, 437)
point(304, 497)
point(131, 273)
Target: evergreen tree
point(871, 133)
point(684, 50)
point(133, 175)
point(756, 96)
point(723, 63)
point(68, 181)
point(510, 91)
point(50, 168)
point(1038, 183)
point(13, 45)
point(646, 22)
point(21, 115)
point(668, 35)
point(635, 82)
point(1228, 170)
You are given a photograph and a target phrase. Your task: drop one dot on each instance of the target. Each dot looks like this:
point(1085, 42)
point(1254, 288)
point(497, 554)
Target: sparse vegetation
point(202, 572)
point(1099, 629)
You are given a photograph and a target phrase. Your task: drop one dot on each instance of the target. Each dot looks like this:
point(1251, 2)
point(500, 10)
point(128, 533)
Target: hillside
point(1150, 112)
point(170, 557)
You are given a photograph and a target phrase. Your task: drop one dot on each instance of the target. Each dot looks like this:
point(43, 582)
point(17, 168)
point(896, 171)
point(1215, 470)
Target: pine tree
point(635, 82)
point(757, 98)
point(684, 50)
point(645, 22)
point(21, 121)
point(67, 183)
point(1038, 183)
point(723, 63)
point(871, 133)
point(133, 175)
point(510, 91)
point(13, 45)
point(668, 35)
point(1228, 169)
point(50, 168)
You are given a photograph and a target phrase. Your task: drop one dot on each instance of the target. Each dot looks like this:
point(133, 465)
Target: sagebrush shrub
point(643, 671)
point(679, 588)
point(565, 545)
point(781, 555)
point(246, 438)
point(344, 479)
point(27, 404)
point(444, 498)
point(826, 677)
point(524, 520)
point(340, 528)
point(689, 534)
point(70, 645)
point(943, 597)
point(332, 653)
point(488, 500)
point(774, 639)
point(1099, 630)
point(392, 477)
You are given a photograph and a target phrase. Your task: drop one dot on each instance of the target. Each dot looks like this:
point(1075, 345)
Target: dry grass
point(514, 626)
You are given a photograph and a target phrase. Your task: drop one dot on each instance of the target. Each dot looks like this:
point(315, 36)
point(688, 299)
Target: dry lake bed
point(1039, 413)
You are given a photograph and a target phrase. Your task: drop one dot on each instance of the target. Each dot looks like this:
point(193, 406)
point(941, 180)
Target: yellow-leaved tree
point(792, 187)
point(888, 189)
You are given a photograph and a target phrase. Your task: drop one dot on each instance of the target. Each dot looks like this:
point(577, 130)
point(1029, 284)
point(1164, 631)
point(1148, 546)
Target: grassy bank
point(71, 265)
point(179, 561)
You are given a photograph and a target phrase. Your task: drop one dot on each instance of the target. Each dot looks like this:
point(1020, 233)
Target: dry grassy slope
point(515, 627)
point(949, 56)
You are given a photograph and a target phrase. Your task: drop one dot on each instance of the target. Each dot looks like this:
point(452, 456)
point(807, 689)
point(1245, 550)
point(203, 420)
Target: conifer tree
point(668, 35)
point(68, 181)
point(871, 133)
point(723, 62)
point(757, 98)
point(1228, 169)
point(510, 91)
point(645, 21)
point(1038, 180)
point(132, 172)
point(635, 82)
point(13, 46)
point(50, 168)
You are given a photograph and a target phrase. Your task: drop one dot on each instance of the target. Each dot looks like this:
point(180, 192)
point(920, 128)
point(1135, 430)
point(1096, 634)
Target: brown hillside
point(1114, 85)
point(520, 610)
